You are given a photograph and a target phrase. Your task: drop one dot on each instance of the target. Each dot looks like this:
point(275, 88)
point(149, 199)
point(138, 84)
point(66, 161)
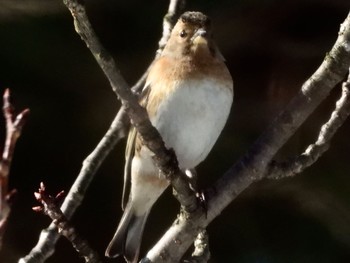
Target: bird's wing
point(130, 150)
point(129, 154)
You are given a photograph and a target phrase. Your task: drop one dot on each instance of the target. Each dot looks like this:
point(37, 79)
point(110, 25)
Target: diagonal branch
point(165, 159)
point(253, 165)
point(118, 129)
point(315, 151)
point(50, 208)
point(48, 237)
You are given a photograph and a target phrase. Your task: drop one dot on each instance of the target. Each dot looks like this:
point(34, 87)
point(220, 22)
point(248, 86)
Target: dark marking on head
point(196, 18)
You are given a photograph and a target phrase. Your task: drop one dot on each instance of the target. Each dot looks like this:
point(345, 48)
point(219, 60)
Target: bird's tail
point(127, 239)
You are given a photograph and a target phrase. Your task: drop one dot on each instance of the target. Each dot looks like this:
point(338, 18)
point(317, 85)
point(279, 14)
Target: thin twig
point(14, 125)
point(315, 151)
point(50, 208)
point(175, 8)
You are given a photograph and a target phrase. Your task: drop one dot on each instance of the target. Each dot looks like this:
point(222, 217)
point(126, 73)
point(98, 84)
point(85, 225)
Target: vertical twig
point(14, 125)
point(175, 8)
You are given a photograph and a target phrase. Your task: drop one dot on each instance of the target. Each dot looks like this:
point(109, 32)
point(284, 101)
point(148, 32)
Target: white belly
point(191, 119)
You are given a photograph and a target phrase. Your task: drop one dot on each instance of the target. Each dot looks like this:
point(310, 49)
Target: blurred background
point(271, 48)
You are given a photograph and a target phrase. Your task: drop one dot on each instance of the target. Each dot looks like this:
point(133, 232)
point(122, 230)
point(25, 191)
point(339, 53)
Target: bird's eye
point(183, 33)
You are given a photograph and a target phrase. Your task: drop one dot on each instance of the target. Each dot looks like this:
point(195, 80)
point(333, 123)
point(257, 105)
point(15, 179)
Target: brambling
point(188, 96)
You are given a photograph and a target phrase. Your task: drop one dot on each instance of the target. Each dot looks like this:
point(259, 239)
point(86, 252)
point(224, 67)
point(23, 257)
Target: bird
point(188, 96)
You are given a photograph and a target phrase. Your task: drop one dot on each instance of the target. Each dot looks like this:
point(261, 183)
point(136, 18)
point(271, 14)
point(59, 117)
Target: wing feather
point(130, 150)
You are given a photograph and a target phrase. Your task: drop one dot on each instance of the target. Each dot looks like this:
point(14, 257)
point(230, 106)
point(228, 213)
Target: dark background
point(271, 48)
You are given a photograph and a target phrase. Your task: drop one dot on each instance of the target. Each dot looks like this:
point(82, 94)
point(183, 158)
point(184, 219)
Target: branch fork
point(14, 126)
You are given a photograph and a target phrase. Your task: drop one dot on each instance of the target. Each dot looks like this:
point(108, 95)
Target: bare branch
point(165, 159)
point(315, 151)
point(118, 129)
point(50, 208)
point(252, 166)
point(14, 125)
point(48, 237)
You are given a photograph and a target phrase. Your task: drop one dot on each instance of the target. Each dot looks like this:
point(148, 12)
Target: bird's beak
point(200, 37)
